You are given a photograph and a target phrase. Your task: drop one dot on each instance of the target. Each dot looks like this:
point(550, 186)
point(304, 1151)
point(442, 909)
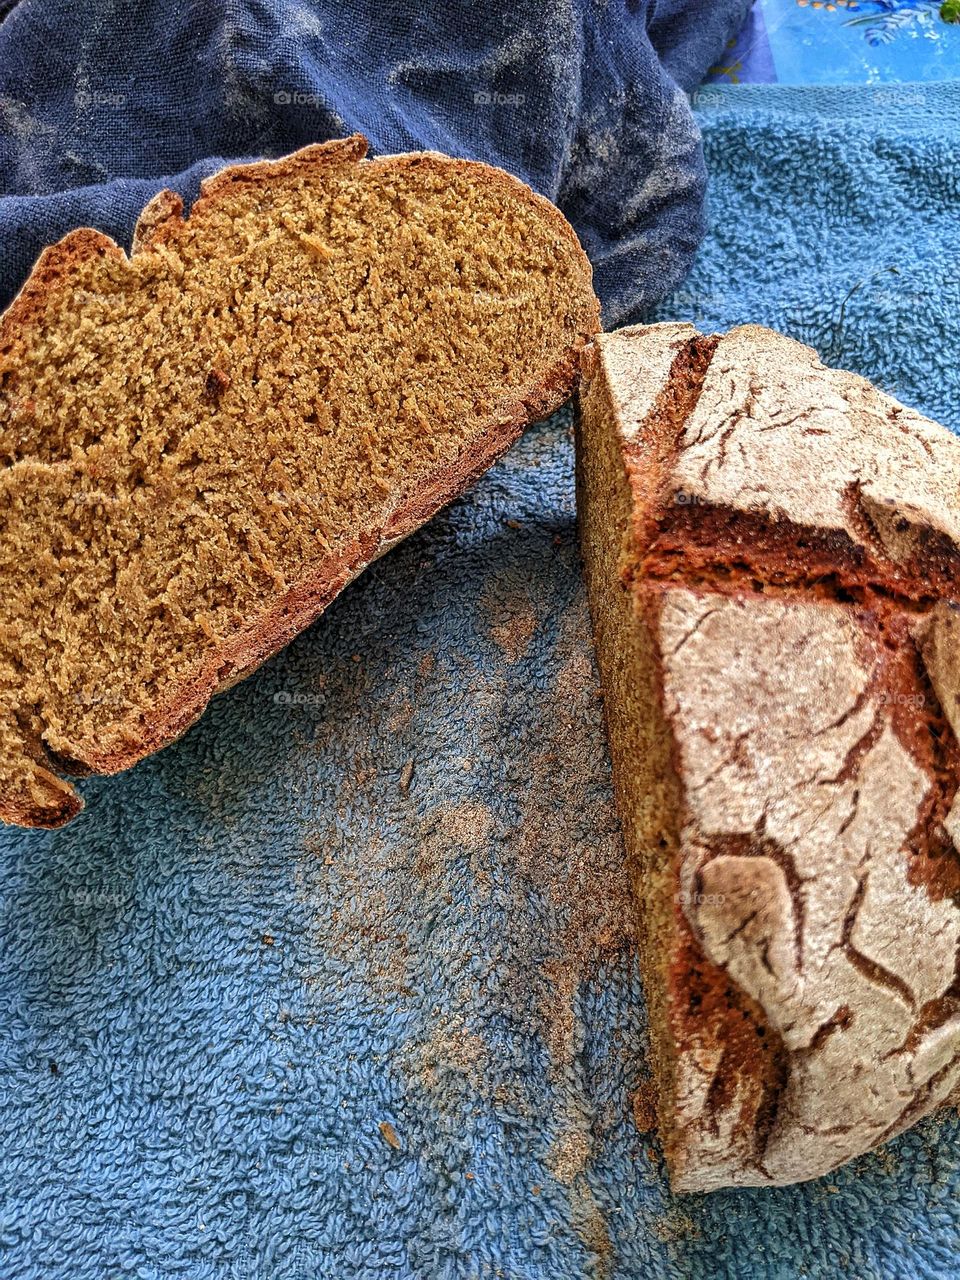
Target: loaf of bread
point(203, 443)
point(772, 552)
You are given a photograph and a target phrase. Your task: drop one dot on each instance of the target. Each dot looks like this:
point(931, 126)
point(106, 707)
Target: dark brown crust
point(50, 272)
point(722, 546)
point(160, 224)
point(648, 467)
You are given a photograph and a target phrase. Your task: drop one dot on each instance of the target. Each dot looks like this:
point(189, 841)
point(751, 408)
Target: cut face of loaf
point(203, 443)
point(771, 552)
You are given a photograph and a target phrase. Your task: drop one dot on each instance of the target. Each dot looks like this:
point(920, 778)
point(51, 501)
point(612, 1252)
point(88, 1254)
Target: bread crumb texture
point(202, 443)
point(774, 584)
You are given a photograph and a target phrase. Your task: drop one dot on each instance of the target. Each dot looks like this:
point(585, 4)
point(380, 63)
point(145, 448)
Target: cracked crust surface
point(789, 654)
point(203, 443)
point(794, 874)
point(776, 433)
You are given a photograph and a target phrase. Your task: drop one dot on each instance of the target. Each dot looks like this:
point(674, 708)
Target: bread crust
point(802, 668)
point(160, 225)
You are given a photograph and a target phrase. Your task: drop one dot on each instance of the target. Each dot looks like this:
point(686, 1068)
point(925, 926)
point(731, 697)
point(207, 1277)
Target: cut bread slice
point(203, 443)
point(772, 553)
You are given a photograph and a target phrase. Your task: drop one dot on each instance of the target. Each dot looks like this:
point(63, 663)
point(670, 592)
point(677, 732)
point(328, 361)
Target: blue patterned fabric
point(104, 101)
point(842, 42)
point(342, 984)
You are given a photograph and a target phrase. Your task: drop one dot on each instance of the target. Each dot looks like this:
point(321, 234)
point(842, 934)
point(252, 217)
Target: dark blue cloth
point(104, 101)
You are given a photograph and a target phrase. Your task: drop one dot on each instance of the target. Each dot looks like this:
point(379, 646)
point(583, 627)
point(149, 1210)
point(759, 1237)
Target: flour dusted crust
point(777, 433)
point(788, 648)
point(794, 878)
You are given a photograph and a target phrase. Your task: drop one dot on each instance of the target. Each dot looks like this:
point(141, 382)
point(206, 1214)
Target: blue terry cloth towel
point(342, 985)
point(102, 102)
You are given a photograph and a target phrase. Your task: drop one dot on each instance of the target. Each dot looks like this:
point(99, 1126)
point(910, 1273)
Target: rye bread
point(772, 552)
point(202, 443)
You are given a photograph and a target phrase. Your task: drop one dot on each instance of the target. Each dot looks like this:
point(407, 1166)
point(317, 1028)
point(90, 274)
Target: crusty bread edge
point(162, 220)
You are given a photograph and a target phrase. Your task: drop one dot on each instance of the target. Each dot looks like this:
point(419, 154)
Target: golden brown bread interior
point(772, 551)
point(202, 443)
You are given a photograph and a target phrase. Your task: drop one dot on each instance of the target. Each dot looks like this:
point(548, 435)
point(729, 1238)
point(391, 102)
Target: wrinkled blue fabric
point(102, 102)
